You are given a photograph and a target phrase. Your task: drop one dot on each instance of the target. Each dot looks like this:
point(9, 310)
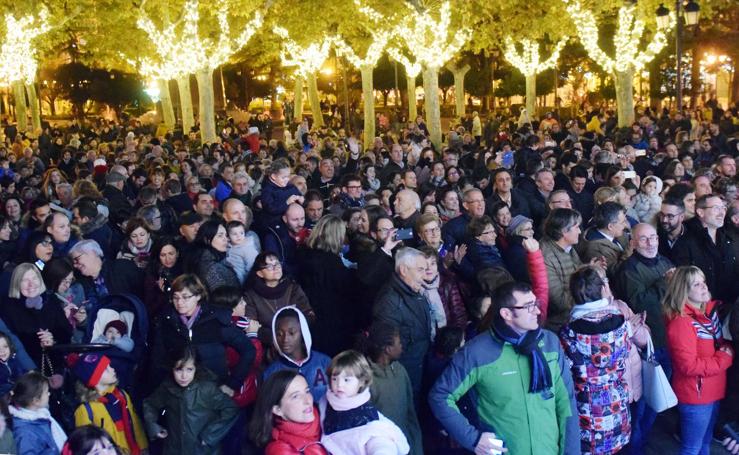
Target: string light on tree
point(529, 62)
point(18, 64)
point(412, 70)
point(432, 43)
point(184, 53)
point(307, 61)
point(365, 65)
point(628, 59)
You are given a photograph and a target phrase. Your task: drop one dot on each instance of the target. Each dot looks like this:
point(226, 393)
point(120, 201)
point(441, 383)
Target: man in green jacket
point(523, 387)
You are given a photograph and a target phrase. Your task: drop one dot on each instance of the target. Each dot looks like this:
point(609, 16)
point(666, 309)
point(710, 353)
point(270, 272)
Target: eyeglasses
point(488, 232)
point(720, 207)
point(182, 298)
point(272, 267)
point(669, 216)
point(76, 260)
point(530, 307)
point(433, 230)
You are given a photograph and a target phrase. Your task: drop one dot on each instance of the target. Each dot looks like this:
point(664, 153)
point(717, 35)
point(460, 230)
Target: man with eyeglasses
point(454, 232)
point(641, 281)
point(706, 246)
point(670, 225)
point(375, 267)
point(402, 303)
point(522, 381)
point(351, 194)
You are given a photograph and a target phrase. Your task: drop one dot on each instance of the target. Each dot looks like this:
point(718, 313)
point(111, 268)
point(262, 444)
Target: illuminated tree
point(198, 56)
point(18, 63)
point(412, 70)
point(307, 61)
point(458, 72)
point(366, 65)
point(433, 43)
point(627, 60)
point(529, 63)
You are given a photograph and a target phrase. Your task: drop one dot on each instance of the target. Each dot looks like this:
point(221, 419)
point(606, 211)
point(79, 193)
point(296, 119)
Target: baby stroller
point(129, 309)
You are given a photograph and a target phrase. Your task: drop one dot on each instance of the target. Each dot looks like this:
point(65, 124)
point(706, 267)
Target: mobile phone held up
point(404, 234)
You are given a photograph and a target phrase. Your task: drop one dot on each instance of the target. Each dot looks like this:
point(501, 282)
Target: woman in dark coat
point(210, 263)
point(329, 286)
point(190, 319)
point(34, 318)
point(164, 267)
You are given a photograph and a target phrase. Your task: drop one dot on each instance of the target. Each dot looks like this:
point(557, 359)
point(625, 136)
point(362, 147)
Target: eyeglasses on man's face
point(530, 307)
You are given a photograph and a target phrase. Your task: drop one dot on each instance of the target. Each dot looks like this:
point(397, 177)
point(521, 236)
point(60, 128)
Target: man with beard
point(671, 217)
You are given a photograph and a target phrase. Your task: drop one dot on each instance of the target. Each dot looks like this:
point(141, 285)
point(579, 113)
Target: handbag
point(657, 389)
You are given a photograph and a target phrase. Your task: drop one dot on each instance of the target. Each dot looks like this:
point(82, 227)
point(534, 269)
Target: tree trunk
point(531, 96)
point(167, 109)
point(695, 76)
point(655, 81)
point(35, 107)
point(298, 95)
point(369, 105)
point(431, 104)
point(206, 108)
point(410, 83)
point(459, 73)
point(734, 94)
point(183, 87)
point(625, 98)
point(315, 103)
point(19, 94)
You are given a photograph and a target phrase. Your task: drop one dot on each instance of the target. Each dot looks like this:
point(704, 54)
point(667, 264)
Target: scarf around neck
point(580, 311)
point(350, 412)
point(41, 414)
point(35, 303)
point(266, 292)
point(436, 307)
point(116, 404)
point(528, 345)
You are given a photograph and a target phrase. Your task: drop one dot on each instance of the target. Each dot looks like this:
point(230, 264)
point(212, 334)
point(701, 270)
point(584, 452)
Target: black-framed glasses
point(530, 307)
point(272, 267)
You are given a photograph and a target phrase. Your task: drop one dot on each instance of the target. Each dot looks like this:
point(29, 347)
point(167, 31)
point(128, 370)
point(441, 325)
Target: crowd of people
point(317, 295)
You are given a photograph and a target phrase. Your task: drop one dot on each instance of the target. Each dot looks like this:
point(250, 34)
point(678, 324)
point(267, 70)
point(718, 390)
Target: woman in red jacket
point(285, 419)
point(699, 354)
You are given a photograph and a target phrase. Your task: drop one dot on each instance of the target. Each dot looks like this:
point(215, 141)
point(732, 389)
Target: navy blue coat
point(274, 201)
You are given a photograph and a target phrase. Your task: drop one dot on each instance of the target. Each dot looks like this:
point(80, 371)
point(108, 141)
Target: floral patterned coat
point(598, 348)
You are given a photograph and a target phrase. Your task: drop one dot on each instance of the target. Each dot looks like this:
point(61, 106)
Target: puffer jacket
point(213, 270)
point(597, 343)
point(451, 299)
point(698, 368)
point(560, 265)
point(198, 416)
point(211, 332)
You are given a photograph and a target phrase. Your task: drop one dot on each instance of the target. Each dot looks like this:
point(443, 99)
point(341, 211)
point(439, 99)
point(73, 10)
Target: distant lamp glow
point(152, 91)
point(280, 89)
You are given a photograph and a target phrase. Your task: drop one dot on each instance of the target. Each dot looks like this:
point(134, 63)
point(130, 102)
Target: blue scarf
point(527, 344)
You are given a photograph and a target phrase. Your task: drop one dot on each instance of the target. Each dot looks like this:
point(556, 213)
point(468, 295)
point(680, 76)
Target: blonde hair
point(17, 277)
point(673, 303)
point(328, 235)
point(605, 194)
point(353, 363)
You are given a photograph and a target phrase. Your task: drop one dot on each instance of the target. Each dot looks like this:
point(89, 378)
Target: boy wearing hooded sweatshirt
point(292, 340)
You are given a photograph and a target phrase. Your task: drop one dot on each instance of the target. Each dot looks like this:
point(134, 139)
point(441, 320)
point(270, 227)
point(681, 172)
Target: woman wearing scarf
point(162, 270)
point(137, 248)
point(443, 294)
point(599, 341)
point(268, 291)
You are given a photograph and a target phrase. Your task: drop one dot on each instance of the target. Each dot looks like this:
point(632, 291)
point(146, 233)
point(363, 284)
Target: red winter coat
point(290, 438)
point(247, 394)
point(698, 368)
point(539, 282)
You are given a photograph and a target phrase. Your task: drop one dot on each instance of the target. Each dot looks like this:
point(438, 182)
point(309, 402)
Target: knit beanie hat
point(88, 368)
point(517, 221)
point(117, 324)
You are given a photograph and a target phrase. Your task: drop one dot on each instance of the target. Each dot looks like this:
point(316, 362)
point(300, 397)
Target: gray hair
point(86, 246)
point(64, 186)
point(406, 256)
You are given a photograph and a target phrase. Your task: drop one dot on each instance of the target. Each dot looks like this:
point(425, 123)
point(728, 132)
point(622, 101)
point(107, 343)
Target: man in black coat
point(706, 246)
point(402, 303)
point(102, 276)
point(120, 208)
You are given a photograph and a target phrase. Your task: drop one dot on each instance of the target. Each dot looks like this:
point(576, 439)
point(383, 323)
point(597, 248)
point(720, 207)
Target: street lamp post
point(692, 11)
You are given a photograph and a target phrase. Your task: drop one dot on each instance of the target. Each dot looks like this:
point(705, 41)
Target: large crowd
point(508, 292)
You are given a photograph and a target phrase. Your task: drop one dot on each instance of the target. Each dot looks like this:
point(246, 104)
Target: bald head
point(644, 240)
point(294, 217)
point(407, 202)
point(234, 210)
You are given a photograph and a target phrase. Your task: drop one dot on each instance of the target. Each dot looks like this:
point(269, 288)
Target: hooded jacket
point(315, 365)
